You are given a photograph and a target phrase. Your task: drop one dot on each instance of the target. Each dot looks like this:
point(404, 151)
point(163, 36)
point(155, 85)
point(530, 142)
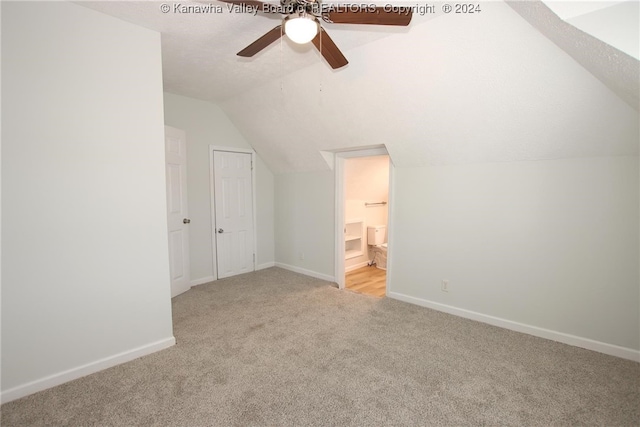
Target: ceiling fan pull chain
point(321, 30)
point(320, 79)
point(282, 63)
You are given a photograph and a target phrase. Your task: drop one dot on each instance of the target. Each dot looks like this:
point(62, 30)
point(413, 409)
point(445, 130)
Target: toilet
point(375, 240)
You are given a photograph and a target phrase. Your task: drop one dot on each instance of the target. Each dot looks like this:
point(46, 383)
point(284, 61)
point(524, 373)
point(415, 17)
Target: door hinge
point(251, 164)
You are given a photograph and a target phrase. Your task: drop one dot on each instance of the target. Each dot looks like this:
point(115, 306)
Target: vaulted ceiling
point(513, 82)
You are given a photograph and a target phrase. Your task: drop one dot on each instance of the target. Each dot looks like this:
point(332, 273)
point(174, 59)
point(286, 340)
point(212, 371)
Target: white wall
point(0, 205)
point(206, 124)
point(85, 277)
point(551, 244)
point(305, 225)
point(265, 212)
point(480, 90)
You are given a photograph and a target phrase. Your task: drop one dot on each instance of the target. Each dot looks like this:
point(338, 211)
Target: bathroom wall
point(366, 180)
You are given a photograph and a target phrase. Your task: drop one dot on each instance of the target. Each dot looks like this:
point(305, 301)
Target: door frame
point(339, 162)
point(212, 206)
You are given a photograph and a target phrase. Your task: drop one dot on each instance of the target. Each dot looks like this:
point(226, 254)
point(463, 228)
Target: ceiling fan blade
point(329, 50)
point(262, 42)
point(382, 15)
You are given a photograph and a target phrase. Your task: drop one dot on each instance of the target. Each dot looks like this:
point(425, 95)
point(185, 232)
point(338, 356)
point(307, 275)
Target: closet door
point(233, 200)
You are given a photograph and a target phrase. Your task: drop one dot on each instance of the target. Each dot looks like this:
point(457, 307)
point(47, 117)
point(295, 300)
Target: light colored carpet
point(275, 348)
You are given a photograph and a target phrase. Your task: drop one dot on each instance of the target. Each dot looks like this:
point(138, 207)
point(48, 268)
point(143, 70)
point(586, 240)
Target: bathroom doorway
point(362, 213)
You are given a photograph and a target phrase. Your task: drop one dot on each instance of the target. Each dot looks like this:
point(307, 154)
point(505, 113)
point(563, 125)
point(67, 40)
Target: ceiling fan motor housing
point(311, 7)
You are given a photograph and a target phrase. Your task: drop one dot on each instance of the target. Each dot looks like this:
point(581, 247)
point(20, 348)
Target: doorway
point(363, 195)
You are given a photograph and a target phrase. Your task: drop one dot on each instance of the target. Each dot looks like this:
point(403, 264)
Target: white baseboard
point(265, 265)
point(202, 281)
point(84, 370)
point(306, 272)
point(357, 266)
point(589, 344)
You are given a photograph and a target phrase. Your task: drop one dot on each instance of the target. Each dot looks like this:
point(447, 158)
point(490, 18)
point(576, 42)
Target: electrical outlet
point(445, 286)
point(301, 256)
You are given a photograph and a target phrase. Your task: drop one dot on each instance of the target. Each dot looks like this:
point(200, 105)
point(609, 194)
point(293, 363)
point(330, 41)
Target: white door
point(233, 212)
point(178, 220)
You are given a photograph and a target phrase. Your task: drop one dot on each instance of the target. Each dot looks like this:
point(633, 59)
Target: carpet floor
point(275, 348)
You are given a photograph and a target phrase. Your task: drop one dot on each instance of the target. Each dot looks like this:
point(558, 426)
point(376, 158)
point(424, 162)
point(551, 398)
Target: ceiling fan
point(301, 23)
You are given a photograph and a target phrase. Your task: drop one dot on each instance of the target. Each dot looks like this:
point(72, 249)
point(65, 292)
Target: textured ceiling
point(455, 90)
point(617, 25)
point(507, 84)
point(619, 71)
point(199, 49)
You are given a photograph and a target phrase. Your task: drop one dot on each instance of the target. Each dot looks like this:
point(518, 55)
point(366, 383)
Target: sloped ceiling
point(457, 89)
point(618, 70)
point(614, 22)
point(451, 88)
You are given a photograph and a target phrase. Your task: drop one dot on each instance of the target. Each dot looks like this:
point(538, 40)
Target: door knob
point(186, 221)
point(220, 230)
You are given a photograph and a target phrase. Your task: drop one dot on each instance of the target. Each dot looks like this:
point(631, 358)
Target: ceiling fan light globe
point(301, 29)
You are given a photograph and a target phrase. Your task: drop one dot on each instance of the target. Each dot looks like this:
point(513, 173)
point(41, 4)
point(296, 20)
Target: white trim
point(265, 265)
point(231, 149)
point(212, 212)
point(370, 151)
point(306, 272)
point(214, 250)
point(356, 266)
point(84, 370)
point(391, 220)
point(339, 270)
point(254, 207)
point(202, 281)
point(586, 343)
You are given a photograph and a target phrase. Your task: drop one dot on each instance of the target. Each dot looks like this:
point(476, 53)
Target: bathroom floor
point(367, 280)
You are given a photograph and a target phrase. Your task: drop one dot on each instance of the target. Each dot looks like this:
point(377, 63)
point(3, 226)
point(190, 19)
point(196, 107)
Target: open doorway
point(366, 184)
point(362, 213)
